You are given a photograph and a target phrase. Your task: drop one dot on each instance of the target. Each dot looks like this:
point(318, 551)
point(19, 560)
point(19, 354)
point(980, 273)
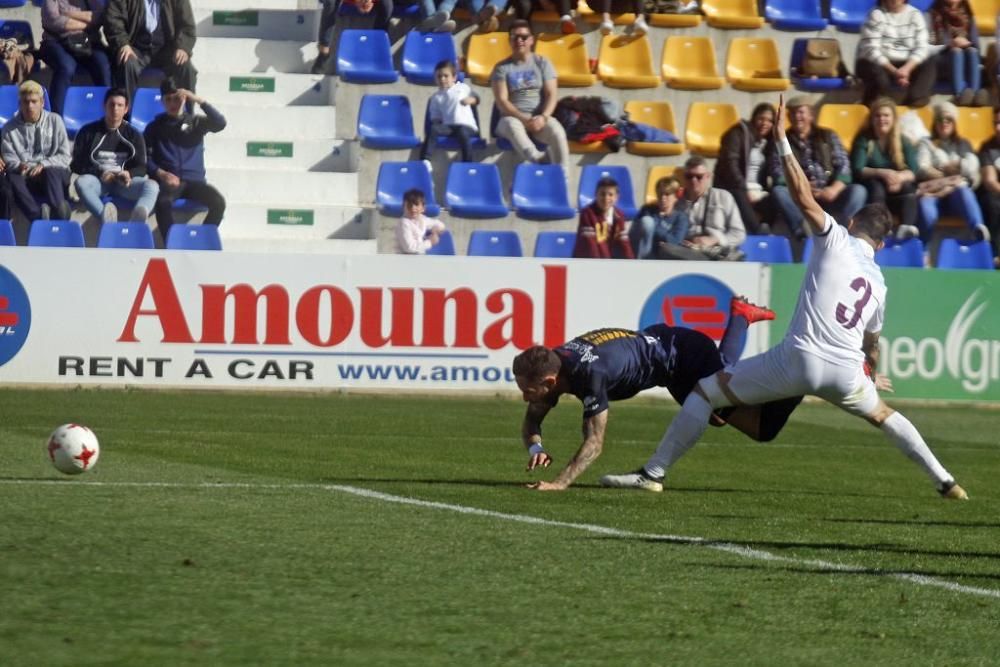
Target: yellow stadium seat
point(689, 63)
point(674, 20)
point(732, 14)
point(753, 65)
point(569, 56)
point(626, 62)
point(657, 114)
point(844, 119)
point(975, 124)
point(985, 13)
point(656, 173)
point(706, 123)
point(485, 51)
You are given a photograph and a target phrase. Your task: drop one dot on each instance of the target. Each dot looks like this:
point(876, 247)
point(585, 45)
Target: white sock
point(681, 435)
point(905, 436)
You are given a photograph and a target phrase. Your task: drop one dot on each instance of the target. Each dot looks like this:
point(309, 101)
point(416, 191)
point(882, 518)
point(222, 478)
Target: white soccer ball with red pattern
point(73, 449)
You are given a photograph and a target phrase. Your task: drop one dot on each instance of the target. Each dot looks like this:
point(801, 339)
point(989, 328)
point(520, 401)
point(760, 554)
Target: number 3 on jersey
point(858, 285)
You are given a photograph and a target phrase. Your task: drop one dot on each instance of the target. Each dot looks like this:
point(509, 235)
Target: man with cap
point(826, 164)
point(175, 150)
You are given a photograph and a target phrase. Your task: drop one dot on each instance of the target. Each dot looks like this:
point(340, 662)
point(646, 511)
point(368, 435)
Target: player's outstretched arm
point(531, 435)
point(593, 443)
point(798, 185)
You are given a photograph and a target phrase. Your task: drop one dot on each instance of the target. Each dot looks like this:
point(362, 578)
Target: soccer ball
point(73, 449)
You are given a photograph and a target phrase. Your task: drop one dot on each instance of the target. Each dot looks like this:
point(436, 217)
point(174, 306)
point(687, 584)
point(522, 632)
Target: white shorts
point(784, 371)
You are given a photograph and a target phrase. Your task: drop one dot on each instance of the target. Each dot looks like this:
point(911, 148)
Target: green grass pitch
point(228, 529)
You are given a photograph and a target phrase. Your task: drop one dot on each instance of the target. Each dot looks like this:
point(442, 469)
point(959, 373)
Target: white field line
point(726, 547)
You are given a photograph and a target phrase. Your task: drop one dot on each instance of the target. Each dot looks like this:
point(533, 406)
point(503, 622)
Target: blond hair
point(894, 149)
point(31, 88)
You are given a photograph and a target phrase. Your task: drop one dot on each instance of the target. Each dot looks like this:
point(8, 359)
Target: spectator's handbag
point(77, 44)
point(821, 59)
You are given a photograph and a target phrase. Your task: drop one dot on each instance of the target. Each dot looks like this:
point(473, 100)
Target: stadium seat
point(474, 190)
point(7, 233)
point(445, 245)
point(395, 178)
point(810, 84)
point(9, 102)
point(706, 123)
point(448, 142)
point(770, 249)
point(626, 62)
point(494, 244)
point(592, 173)
point(364, 56)
point(386, 122)
point(908, 253)
point(485, 50)
point(794, 15)
point(539, 192)
point(922, 5)
point(134, 235)
point(674, 20)
point(985, 13)
point(657, 114)
point(953, 254)
point(975, 124)
point(56, 234)
point(850, 15)
point(752, 65)
point(569, 56)
point(658, 172)
point(422, 51)
point(732, 14)
point(83, 105)
point(555, 244)
point(844, 119)
point(807, 249)
point(194, 237)
point(688, 63)
point(502, 143)
point(19, 30)
point(10, 4)
point(145, 107)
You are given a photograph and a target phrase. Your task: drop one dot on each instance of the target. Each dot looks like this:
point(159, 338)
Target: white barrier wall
point(115, 317)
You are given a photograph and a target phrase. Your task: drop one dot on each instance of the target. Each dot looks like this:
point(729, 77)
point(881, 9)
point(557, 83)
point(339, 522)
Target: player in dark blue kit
point(615, 364)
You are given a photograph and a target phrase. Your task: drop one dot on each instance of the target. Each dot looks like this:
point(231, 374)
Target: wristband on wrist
point(536, 448)
point(784, 148)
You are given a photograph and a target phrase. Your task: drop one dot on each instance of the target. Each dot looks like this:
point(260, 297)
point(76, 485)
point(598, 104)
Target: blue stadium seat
point(395, 178)
point(422, 51)
point(807, 250)
point(450, 143)
point(494, 244)
point(9, 101)
point(7, 233)
point(850, 15)
point(19, 30)
point(145, 107)
point(194, 237)
point(9, 4)
point(539, 192)
point(922, 5)
point(770, 249)
point(445, 246)
point(592, 173)
point(56, 234)
point(908, 253)
point(555, 244)
point(474, 190)
point(810, 84)
point(363, 56)
point(795, 15)
point(135, 235)
point(83, 105)
point(386, 122)
point(954, 254)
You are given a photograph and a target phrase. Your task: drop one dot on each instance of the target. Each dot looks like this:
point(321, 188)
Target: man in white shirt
point(829, 350)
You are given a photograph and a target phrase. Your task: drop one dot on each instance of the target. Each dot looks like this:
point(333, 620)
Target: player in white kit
point(829, 350)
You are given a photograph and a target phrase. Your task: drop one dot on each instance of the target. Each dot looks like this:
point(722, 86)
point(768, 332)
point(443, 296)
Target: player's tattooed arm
point(799, 186)
point(593, 443)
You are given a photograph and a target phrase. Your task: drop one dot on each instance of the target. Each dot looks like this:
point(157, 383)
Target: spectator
point(175, 155)
point(894, 49)
point(35, 152)
point(949, 172)
point(989, 191)
point(141, 33)
point(380, 9)
point(608, 7)
point(953, 28)
point(70, 38)
point(825, 163)
point(885, 162)
point(715, 228)
point(415, 232)
point(438, 15)
point(523, 9)
point(525, 90)
point(659, 226)
point(450, 111)
point(5, 194)
point(741, 169)
point(110, 157)
point(435, 19)
point(603, 230)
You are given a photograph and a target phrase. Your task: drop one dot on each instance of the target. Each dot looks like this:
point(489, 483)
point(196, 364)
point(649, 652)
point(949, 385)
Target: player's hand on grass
point(539, 460)
point(547, 486)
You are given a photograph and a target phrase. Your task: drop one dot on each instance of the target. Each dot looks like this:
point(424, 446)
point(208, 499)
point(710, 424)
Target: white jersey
point(842, 296)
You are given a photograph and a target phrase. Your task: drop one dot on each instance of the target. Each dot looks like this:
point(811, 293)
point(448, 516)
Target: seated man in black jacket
point(110, 157)
point(175, 142)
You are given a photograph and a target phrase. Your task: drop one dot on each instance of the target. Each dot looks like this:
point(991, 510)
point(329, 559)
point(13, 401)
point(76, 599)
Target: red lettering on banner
point(166, 306)
point(466, 317)
point(341, 316)
point(401, 328)
point(520, 319)
point(246, 299)
point(555, 305)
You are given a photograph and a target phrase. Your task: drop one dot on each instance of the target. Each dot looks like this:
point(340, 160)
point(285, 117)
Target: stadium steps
point(261, 152)
point(267, 90)
point(274, 123)
point(310, 226)
point(304, 188)
point(217, 20)
point(233, 54)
